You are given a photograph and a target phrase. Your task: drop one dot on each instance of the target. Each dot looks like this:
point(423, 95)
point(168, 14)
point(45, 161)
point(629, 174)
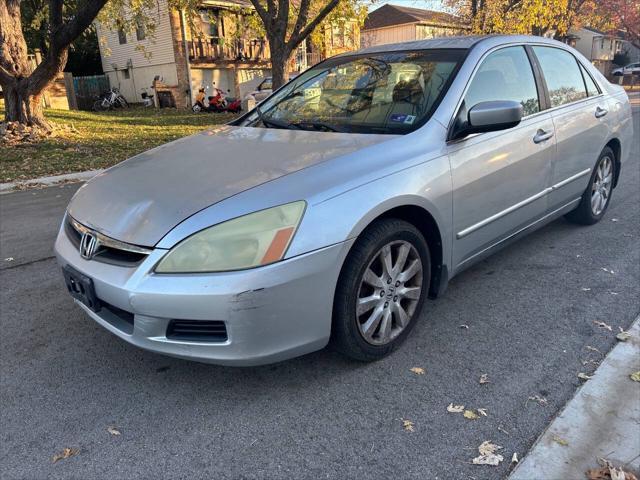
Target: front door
point(500, 179)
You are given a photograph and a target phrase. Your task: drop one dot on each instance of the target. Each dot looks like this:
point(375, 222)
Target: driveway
point(530, 312)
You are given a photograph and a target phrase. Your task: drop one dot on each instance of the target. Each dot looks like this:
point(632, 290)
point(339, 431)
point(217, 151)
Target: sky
point(427, 4)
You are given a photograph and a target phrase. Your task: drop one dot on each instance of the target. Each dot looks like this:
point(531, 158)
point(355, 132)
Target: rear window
point(562, 74)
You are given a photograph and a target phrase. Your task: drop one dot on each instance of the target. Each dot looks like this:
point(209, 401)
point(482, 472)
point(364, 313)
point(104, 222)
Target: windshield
point(393, 92)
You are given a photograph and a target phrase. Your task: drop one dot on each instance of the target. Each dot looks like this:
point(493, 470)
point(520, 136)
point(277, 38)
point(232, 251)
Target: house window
point(140, 32)
point(122, 36)
point(127, 75)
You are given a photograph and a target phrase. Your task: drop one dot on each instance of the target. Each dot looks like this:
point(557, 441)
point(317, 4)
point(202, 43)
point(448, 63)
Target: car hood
point(140, 200)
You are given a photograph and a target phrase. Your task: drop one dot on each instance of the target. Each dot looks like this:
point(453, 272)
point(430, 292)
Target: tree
point(533, 17)
point(286, 25)
point(624, 14)
point(21, 83)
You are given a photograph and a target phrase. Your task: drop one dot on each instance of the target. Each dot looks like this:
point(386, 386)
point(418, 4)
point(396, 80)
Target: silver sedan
point(332, 211)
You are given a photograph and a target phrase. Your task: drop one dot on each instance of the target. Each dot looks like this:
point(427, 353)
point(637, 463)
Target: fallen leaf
point(614, 219)
point(455, 408)
point(593, 349)
point(470, 414)
point(608, 271)
point(560, 441)
point(464, 326)
point(113, 431)
point(514, 458)
point(585, 289)
point(613, 293)
point(482, 411)
point(584, 376)
point(603, 325)
point(539, 400)
point(635, 376)
point(8, 259)
point(66, 453)
point(417, 370)
point(617, 473)
point(484, 378)
point(623, 336)
point(407, 425)
point(488, 455)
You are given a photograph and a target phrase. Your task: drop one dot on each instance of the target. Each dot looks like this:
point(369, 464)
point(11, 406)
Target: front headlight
point(256, 239)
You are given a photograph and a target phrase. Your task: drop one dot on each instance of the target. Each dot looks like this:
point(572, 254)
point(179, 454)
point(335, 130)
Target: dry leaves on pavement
point(514, 458)
point(484, 378)
point(488, 455)
point(584, 376)
point(470, 415)
point(482, 411)
point(113, 431)
point(539, 400)
point(66, 453)
point(407, 425)
point(455, 408)
point(417, 370)
point(560, 441)
point(603, 325)
point(608, 472)
point(623, 336)
point(635, 376)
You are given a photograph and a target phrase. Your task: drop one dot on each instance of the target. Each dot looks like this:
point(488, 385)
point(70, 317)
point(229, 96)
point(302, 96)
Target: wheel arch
point(615, 145)
point(426, 223)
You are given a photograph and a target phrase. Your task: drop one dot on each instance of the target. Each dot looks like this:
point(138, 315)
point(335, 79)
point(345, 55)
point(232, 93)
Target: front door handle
point(541, 136)
point(601, 112)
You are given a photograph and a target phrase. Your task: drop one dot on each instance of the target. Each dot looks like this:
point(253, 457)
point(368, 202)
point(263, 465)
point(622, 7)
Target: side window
point(505, 75)
point(592, 88)
point(562, 73)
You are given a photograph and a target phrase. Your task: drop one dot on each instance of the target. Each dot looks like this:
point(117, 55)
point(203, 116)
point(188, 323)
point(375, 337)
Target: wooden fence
point(83, 91)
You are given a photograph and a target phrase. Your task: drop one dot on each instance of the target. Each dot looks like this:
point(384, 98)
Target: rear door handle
point(541, 136)
point(601, 112)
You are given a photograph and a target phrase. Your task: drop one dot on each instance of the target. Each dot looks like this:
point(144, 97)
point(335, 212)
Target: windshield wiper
point(320, 126)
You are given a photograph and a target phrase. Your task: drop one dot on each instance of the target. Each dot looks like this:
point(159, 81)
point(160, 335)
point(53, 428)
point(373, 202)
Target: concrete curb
point(48, 181)
point(600, 421)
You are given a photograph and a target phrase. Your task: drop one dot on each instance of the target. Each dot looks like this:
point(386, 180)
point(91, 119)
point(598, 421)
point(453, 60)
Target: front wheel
point(595, 199)
point(381, 290)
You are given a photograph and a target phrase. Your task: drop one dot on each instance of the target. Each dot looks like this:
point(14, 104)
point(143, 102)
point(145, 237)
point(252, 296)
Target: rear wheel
point(381, 290)
point(595, 199)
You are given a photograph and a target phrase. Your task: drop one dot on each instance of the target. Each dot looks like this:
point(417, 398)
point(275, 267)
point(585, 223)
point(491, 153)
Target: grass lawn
point(102, 139)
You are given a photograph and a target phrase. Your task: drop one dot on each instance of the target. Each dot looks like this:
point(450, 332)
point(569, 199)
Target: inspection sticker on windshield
point(399, 117)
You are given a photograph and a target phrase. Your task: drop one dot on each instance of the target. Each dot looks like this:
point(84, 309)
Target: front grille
point(197, 330)
point(106, 253)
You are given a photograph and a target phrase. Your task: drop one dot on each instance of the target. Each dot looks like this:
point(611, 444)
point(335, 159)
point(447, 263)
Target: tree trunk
point(23, 97)
point(279, 60)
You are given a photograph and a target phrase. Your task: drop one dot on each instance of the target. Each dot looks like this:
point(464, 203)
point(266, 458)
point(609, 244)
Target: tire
point(599, 191)
point(356, 334)
point(97, 106)
point(122, 101)
point(196, 108)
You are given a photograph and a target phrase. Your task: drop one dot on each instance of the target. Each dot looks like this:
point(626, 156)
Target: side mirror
point(488, 117)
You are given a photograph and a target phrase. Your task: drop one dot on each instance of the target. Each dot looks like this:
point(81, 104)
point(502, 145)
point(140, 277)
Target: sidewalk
point(601, 421)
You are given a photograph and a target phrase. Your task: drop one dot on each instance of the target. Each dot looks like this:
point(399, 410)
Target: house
point(601, 47)
point(217, 47)
point(393, 24)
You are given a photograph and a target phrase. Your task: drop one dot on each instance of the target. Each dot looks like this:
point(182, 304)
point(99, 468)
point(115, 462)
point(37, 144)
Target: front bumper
point(271, 313)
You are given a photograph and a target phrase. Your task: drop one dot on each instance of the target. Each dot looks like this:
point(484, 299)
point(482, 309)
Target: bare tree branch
point(294, 41)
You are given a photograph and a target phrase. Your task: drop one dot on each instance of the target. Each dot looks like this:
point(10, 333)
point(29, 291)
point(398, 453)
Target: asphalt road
point(65, 380)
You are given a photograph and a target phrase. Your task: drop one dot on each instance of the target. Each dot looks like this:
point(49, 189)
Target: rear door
point(500, 178)
point(579, 111)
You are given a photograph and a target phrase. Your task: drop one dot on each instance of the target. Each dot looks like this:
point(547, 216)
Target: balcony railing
point(214, 49)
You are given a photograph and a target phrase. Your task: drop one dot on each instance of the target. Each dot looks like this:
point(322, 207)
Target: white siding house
point(394, 24)
point(132, 60)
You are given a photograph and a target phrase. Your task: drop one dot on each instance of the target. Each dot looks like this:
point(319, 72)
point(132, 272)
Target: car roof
point(464, 42)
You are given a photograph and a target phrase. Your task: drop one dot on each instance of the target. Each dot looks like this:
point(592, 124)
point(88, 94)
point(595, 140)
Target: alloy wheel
point(389, 292)
point(602, 183)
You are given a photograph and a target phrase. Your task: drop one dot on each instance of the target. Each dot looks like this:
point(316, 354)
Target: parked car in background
point(631, 69)
point(263, 90)
point(332, 210)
